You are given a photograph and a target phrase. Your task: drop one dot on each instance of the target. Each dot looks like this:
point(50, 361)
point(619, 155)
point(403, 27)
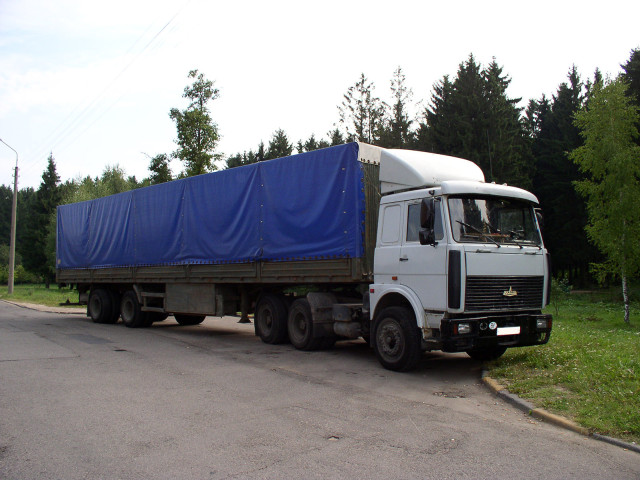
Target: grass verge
point(39, 294)
point(588, 372)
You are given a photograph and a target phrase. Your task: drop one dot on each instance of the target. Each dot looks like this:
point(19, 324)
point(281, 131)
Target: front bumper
point(517, 330)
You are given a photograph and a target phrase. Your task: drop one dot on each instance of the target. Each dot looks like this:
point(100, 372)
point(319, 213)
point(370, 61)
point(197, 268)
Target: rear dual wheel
point(131, 312)
point(301, 328)
point(103, 306)
point(270, 321)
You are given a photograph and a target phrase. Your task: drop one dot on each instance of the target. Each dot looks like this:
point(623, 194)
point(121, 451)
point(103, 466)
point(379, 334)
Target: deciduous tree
point(160, 169)
point(197, 133)
point(610, 160)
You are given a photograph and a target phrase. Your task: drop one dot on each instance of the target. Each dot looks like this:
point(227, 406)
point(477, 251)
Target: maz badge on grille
point(510, 293)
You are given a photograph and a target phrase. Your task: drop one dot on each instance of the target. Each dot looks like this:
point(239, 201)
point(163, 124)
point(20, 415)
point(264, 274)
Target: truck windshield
point(493, 220)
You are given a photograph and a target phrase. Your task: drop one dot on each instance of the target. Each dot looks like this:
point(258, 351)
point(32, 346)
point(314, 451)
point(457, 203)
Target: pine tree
point(396, 128)
point(435, 134)
point(631, 75)
point(46, 201)
point(565, 210)
point(472, 117)
point(335, 137)
point(361, 112)
point(279, 146)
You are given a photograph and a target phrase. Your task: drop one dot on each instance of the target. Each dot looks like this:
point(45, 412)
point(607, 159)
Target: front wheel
point(396, 339)
point(185, 320)
point(486, 354)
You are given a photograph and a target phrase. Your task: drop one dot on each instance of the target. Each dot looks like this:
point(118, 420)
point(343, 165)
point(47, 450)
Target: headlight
point(542, 324)
point(463, 328)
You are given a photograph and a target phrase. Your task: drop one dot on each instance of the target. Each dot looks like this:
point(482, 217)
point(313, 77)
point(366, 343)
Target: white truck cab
point(460, 260)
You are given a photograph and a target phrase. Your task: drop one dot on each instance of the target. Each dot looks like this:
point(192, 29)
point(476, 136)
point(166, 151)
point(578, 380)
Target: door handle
point(404, 258)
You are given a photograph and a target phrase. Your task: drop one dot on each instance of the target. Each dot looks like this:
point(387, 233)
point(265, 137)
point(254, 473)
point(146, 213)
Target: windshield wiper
point(517, 237)
point(478, 231)
point(514, 237)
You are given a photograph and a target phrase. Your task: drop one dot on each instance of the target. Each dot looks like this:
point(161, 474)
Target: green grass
point(39, 294)
point(590, 369)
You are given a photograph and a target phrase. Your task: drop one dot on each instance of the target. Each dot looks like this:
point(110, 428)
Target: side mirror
point(426, 213)
point(427, 235)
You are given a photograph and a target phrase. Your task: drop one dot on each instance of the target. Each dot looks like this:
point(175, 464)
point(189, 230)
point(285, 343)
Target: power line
point(61, 139)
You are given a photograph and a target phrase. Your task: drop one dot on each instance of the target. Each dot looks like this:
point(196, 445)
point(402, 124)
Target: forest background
point(469, 116)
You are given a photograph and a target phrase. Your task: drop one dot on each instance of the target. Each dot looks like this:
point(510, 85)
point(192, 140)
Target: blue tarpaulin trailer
point(303, 207)
point(208, 245)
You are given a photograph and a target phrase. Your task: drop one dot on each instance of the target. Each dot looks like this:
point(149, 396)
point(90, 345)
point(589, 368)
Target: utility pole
point(14, 209)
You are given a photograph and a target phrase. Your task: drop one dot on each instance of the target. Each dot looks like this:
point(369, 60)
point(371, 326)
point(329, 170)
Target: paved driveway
point(81, 400)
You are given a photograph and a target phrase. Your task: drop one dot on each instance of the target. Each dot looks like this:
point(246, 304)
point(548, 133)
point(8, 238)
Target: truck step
point(152, 295)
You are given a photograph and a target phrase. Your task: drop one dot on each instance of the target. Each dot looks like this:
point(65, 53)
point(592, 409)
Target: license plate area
point(508, 331)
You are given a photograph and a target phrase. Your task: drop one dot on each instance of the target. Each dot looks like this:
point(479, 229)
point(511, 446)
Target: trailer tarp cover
point(307, 206)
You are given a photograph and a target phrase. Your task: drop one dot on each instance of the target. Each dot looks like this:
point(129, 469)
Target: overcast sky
point(93, 82)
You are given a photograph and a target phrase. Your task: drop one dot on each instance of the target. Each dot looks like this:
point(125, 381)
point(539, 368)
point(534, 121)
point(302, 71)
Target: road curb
point(45, 308)
point(541, 414)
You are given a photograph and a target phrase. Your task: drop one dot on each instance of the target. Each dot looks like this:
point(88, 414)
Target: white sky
point(93, 82)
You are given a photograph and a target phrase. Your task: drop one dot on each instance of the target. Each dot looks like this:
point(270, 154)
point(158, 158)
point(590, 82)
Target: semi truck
point(410, 251)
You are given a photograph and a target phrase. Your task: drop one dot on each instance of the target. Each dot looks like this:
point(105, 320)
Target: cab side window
point(413, 222)
point(391, 225)
point(437, 226)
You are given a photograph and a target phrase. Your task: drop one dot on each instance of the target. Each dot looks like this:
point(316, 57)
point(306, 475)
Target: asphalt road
point(85, 401)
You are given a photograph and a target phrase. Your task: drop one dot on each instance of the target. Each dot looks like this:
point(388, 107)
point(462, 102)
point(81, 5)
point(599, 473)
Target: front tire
point(186, 320)
point(396, 339)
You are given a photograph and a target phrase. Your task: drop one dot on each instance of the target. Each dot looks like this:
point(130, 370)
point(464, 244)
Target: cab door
point(422, 268)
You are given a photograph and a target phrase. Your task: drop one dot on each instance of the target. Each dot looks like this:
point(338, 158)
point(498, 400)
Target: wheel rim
point(95, 307)
point(390, 340)
point(127, 310)
point(299, 324)
point(266, 320)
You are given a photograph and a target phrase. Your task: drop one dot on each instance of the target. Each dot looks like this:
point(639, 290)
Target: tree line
point(469, 115)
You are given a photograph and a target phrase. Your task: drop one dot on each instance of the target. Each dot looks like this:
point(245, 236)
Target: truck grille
point(484, 294)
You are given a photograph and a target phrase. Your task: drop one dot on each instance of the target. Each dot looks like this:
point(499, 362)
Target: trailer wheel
point(270, 320)
point(300, 323)
point(486, 354)
point(396, 339)
point(132, 315)
point(185, 320)
point(101, 306)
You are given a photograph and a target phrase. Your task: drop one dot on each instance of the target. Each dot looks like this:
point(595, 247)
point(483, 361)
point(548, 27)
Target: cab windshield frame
point(495, 220)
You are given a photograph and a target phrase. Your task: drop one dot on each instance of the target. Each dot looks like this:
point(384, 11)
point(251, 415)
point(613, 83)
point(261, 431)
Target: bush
point(20, 275)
